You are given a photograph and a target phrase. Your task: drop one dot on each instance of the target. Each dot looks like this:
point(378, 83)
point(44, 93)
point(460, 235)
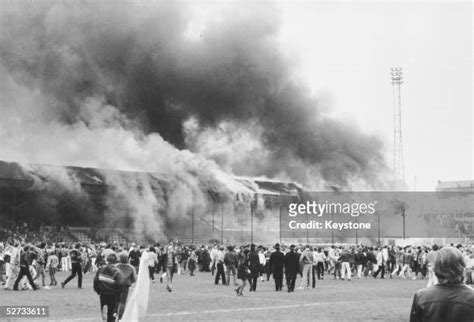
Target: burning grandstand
point(150, 117)
point(230, 208)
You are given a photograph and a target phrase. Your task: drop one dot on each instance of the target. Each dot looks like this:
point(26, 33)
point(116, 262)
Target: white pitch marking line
point(251, 308)
point(150, 315)
point(218, 311)
point(235, 310)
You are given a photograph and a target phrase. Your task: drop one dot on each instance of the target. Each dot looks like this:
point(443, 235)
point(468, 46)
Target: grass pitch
point(197, 298)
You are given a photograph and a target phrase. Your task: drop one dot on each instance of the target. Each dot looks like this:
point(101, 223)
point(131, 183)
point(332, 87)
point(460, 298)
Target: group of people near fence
point(296, 266)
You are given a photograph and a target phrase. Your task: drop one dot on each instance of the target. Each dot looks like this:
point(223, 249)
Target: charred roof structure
point(88, 197)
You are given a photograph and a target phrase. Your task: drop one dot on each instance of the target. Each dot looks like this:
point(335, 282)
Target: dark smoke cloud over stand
point(139, 63)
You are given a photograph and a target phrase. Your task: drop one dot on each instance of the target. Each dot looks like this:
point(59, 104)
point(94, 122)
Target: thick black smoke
point(139, 58)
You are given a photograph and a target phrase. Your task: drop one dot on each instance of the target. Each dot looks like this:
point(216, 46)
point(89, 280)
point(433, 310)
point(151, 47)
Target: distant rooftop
point(461, 185)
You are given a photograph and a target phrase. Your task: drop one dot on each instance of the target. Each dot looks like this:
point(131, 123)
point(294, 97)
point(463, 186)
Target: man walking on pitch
point(306, 260)
point(292, 266)
point(75, 255)
point(219, 262)
point(254, 265)
point(276, 263)
point(25, 262)
point(134, 256)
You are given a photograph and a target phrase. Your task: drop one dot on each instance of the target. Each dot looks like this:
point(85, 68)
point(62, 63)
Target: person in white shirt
point(306, 260)
point(14, 266)
point(213, 255)
point(469, 259)
point(263, 261)
point(382, 258)
point(65, 259)
point(7, 253)
point(330, 259)
point(219, 263)
point(319, 258)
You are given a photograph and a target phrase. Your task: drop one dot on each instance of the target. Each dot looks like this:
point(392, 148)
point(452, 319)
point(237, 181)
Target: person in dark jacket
point(192, 260)
point(134, 256)
point(206, 260)
point(108, 283)
point(292, 266)
point(243, 270)
point(75, 256)
point(231, 261)
point(183, 259)
point(370, 263)
point(450, 300)
point(129, 277)
point(345, 264)
point(276, 263)
point(360, 262)
point(25, 262)
point(391, 263)
point(254, 265)
point(100, 260)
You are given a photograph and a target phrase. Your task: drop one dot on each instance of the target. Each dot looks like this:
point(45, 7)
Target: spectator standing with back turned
point(108, 283)
point(231, 261)
point(129, 277)
point(292, 266)
point(450, 300)
point(277, 263)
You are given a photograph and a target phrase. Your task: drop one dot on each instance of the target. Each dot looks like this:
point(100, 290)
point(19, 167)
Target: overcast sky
point(346, 50)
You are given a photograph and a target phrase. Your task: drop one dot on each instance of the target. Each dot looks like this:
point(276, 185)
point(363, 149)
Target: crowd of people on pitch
point(314, 263)
point(23, 263)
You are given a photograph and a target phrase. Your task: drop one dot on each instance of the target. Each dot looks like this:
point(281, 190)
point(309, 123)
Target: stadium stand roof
point(16, 175)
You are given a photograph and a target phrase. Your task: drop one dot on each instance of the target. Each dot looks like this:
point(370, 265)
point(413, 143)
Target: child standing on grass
point(52, 265)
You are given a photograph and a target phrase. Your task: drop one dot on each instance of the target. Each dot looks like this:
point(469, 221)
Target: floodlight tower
point(398, 165)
